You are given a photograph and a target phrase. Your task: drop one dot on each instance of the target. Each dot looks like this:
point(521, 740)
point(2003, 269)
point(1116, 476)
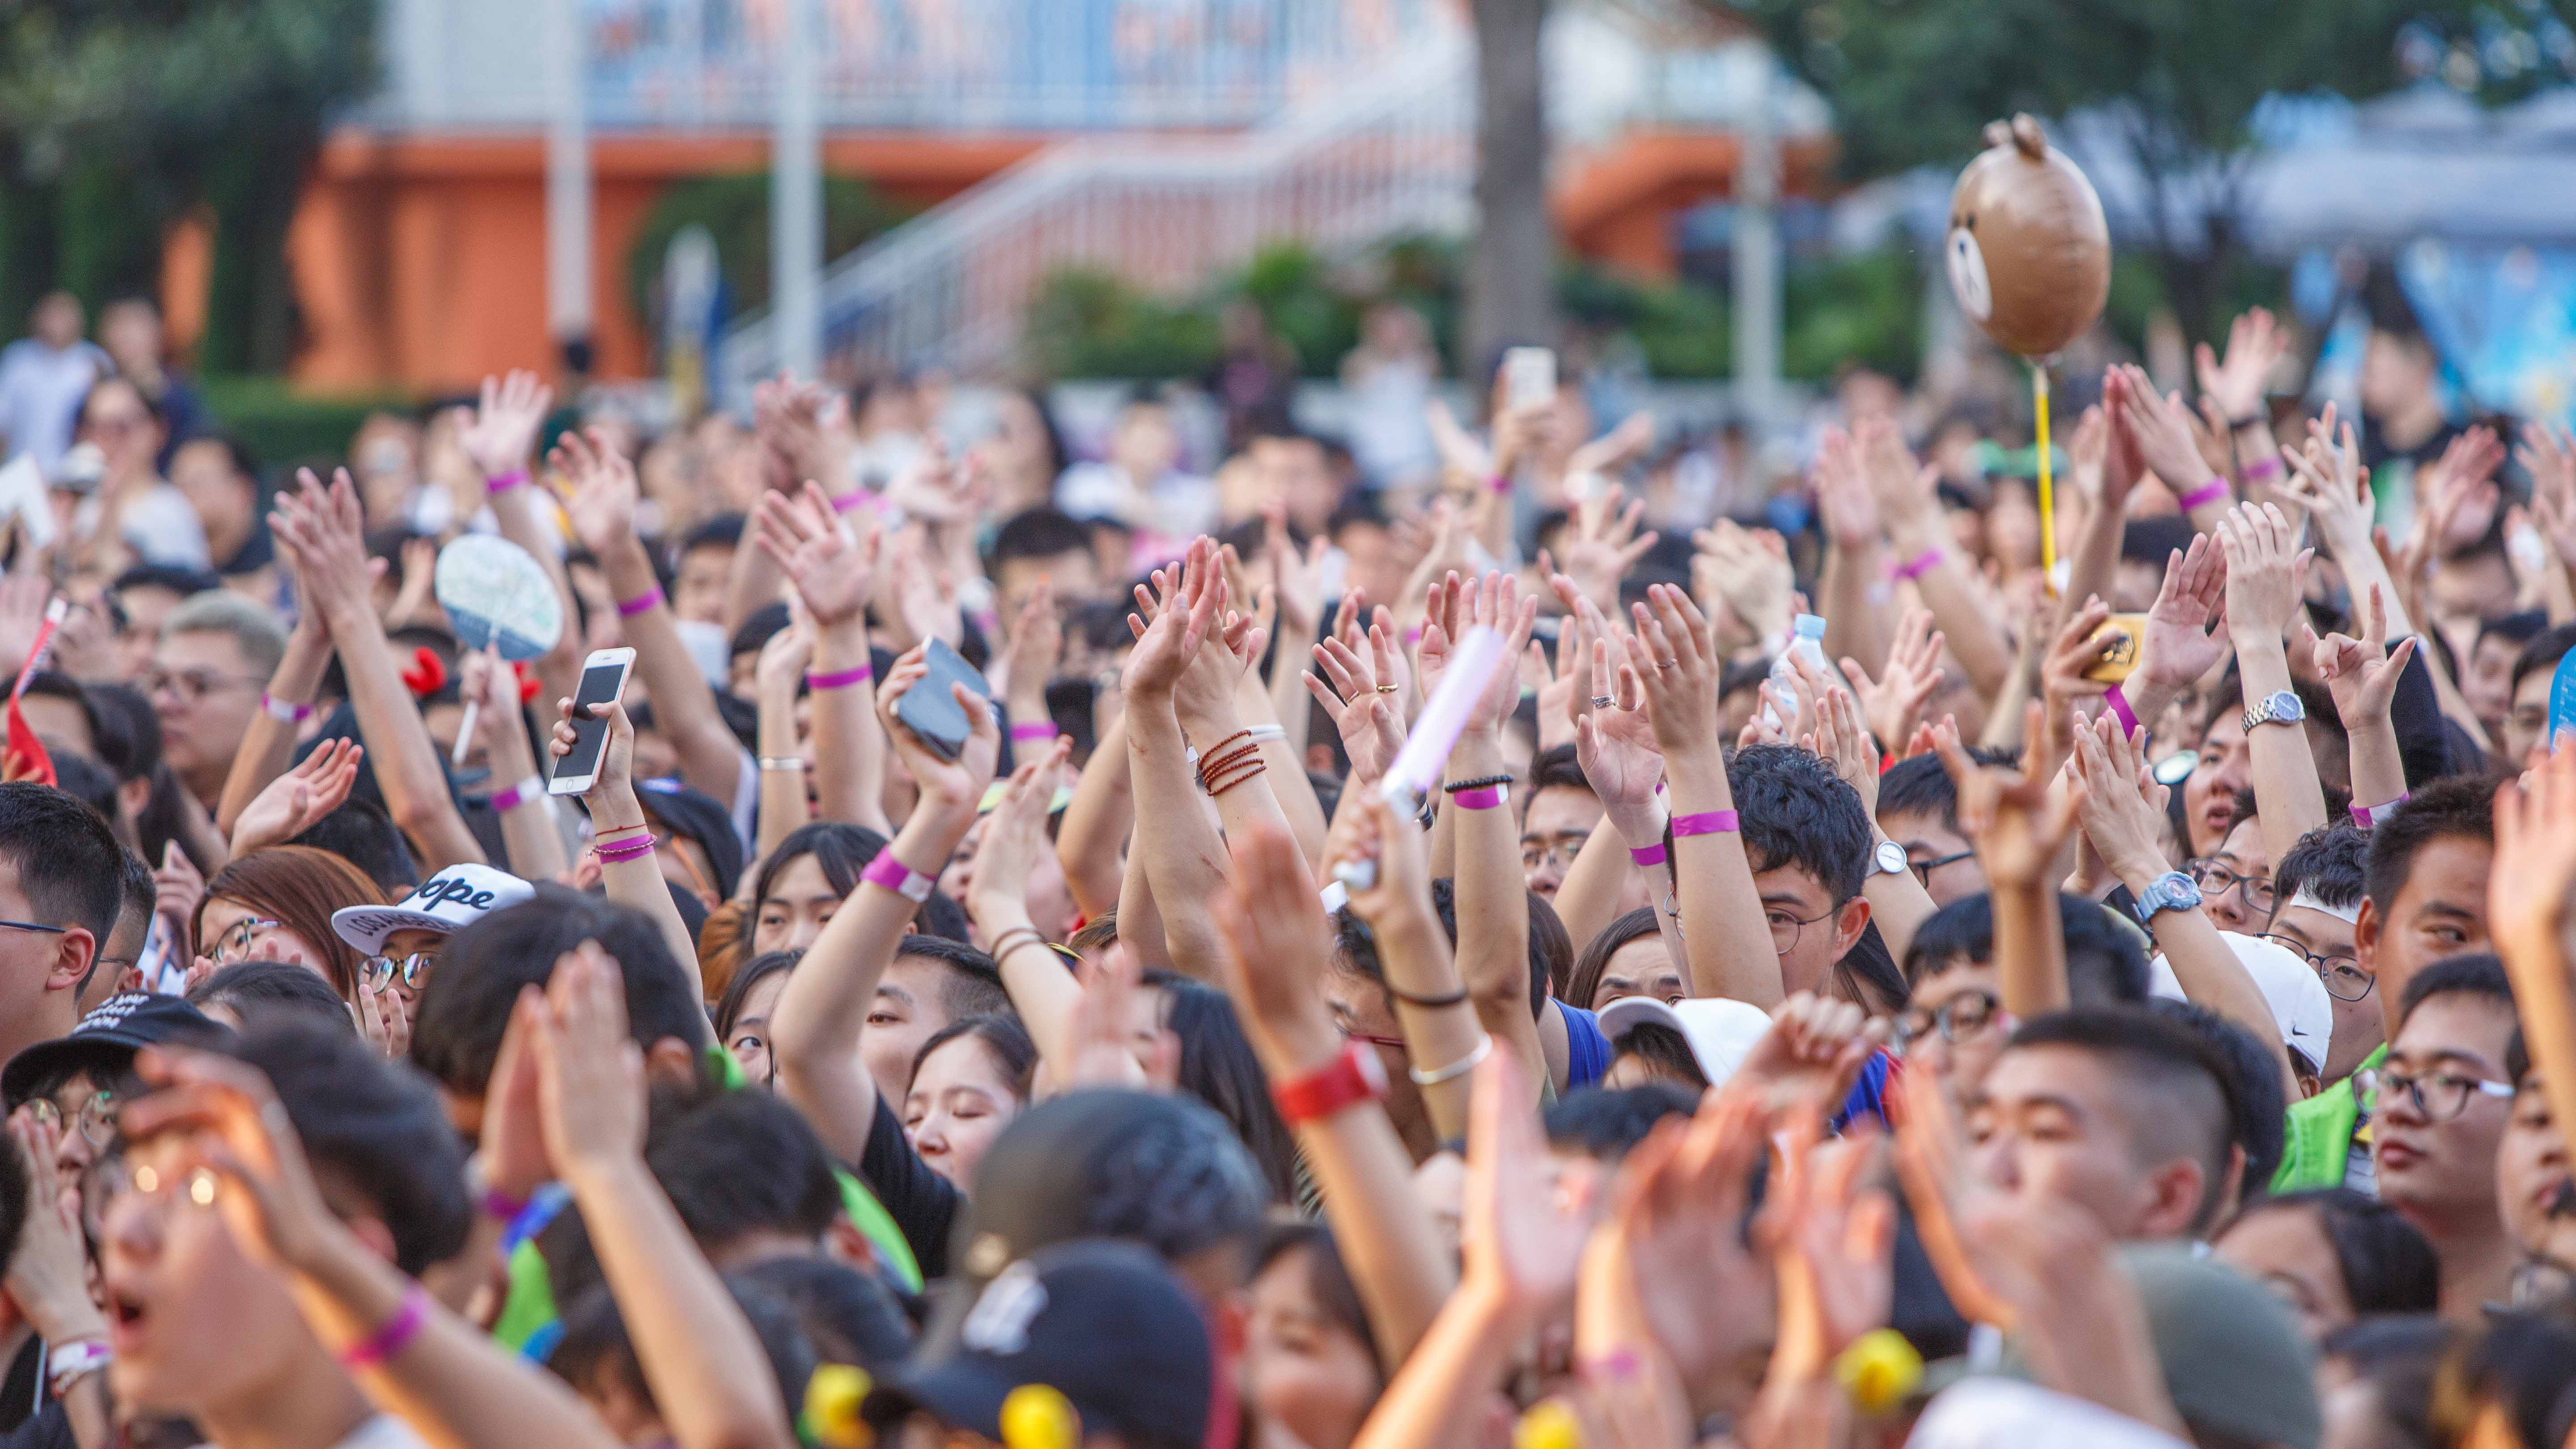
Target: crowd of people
point(1000, 983)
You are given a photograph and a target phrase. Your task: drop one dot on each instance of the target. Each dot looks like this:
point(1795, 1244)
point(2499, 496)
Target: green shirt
point(2318, 1146)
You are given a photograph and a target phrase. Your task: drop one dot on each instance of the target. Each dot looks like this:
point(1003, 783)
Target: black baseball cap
point(106, 1040)
point(1097, 1326)
point(697, 815)
point(1158, 1169)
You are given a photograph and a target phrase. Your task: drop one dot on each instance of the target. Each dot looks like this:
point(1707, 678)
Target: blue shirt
point(1587, 1051)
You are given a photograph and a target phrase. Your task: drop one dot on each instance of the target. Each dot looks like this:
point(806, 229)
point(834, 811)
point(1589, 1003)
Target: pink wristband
point(1647, 854)
point(1500, 483)
point(505, 801)
point(500, 1205)
point(1033, 730)
point(2367, 816)
point(1485, 798)
point(629, 608)
point(897, 877)
point(2262, 468)
point(1707, 822)
point(2213, 491)
point(501, 483)
point(853, 501)
point(1919, 565)
point(624, 850)
point(842, 680)
point(2118, 704)
point(398, 1332)
point(282, 712)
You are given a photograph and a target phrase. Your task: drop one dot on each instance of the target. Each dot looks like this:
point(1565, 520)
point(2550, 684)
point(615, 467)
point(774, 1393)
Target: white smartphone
point(603, 679)
point(1529, 376)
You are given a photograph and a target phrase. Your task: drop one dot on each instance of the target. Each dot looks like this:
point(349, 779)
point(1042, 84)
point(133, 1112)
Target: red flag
point(26, 758)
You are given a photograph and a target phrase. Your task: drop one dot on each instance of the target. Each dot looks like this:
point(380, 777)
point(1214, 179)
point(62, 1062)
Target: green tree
point(1914, 81)
point(735, 211)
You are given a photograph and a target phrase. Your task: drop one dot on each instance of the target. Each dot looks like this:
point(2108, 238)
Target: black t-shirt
point(24, 1425)
point(922, 1203)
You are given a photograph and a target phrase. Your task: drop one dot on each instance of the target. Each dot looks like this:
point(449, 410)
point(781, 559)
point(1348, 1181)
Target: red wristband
point(1706, 822)
point(1353, 1077)
point(2213, 491)
point(1919, 565)
point(629, 608)
point(501, 483)
point(843, 679)
point(2118, 704)
point(1648, 855)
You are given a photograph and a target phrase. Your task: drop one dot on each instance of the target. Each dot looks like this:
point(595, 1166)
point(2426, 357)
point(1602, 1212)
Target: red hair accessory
point(427, 674)
point(528, 682)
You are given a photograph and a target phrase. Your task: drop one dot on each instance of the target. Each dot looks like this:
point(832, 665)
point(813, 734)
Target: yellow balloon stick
point(2047, 497)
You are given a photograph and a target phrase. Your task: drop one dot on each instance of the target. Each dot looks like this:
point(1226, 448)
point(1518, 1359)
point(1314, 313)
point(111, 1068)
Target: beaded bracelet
point(1479, 783)
point(1246, 758)
point(1256, 767)
point(842, 679)
point(501, 483)
point(620, 851)
point(397, 1332)
point(629, 608)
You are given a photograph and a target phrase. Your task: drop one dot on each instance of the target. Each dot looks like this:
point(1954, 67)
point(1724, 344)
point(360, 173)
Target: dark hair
point(263, 990)
point(129, 733)
point(2475, 974)
point(2154, 540)
point(594, 1343)
point(756, 630)
point(1795, 811)
point(301, 887)
point(1036, 533)
point(969, 985)
point(2445, 809)
point(1665, 1051)
point(2327, 863)
point(185, 582)
point(2400, 1358)
point(361, 833)
point(375, 1126)
point(68, 862)
point(1917, 785)
point(746, 976)
point(63, 687)
point(722, 530)
point(1328, 1279)
point(465, 1008)
point(2543, 651)
point(1551, 950)
point(1219, 1067)
point(1002, 1036)
point(739, 1163)
point(2258, 1105)
point(2105, 963)
point(2385, 1263)
point(88, 781)
point(1605, 1123)
point(849, 1316)
point(1585, 984)
point(842, 850)
point(13, 1199)
point(1556, 766)
point(2516, 629)
point(2171, 1079)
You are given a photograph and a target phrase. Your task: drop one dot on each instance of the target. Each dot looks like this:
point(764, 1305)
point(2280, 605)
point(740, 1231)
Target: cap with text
point(449, 901)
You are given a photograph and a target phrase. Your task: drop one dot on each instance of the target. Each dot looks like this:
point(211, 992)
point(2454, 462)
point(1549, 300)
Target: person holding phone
point(594, 744)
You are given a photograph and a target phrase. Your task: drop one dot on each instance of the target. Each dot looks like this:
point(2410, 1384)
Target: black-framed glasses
point(2216, 879)
point(1963, 1015)
point(233, 946)
point(1785, 928)
point(190, 685)
point(2437, 1096)
point(2341, 972)
point(1923, 868)
point(32, 926)
point(1536, 853)
point(95, 1121)
point(411, 970)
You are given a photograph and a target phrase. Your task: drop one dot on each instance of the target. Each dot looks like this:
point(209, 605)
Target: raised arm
point(1045, 994)
point(2018, 826)
point(501, 443)
point(323, 532)
point(2161, 427)
point(1493, 913)
point(2264, 566)
point(684, 708)
point(620, 837)
point(2362, 675)
point(2527, 900)
point(814, 1032)
point(268, 743)
point(1443, 1035)
point(832, 564)
point(2235, 387)
point(1854, 587)
point(1925, 554)
point(708, 1374)
point(1675, 659)
point(1615, 745)
point(776, 676)
point(1093, 834)
point(2186, 633)
point(1897, 900)
point(527, 812)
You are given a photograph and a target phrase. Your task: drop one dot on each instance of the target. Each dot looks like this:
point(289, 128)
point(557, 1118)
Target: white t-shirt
point(40, 390)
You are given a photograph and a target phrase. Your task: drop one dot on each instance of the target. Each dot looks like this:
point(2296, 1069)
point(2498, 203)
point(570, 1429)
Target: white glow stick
point(1417, 767)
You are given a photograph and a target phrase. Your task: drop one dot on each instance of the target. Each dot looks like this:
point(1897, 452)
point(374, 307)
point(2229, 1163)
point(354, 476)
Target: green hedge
point(284, 427)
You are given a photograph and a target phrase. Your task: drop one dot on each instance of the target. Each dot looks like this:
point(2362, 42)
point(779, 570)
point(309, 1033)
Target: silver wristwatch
point(1889, 858)
point(2279, 707)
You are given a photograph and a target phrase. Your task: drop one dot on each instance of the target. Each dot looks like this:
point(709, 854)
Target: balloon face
point(2029, 253)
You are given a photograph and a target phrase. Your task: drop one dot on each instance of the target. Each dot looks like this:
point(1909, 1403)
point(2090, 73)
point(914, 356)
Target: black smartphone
point(930, 711)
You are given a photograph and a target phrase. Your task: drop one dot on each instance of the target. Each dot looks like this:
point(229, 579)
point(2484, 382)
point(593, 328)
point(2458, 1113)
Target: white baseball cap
point(451, 900)
point(2300, 1005)
point(1720, 1030)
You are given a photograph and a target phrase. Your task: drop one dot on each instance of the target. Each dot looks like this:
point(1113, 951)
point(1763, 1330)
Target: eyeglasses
point(2437, 1096)
point(1923, 868)
point(2215, 879)
point(1561, 853)
point(2343, 976)
point(1785, 928)
point(1963, 1015)
point(96, 1120)
point(235, 943)
point(411, 970)
point(191, 685)
point(31, 926)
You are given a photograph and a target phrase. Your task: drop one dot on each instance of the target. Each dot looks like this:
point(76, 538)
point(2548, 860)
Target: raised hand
point(1844, 743)
point(832, 566)
point(1902, 485)
point(2548, 454)
point(295, 801)
point(1676, 660)
point(2075, 648)
point(2535, 859)
point(784, 659)
point(2186, 633)
point(2159, 428)
point(1603, 544)
point(604, 491)
point(323, 531)
point(1372, 831)
point(1894, 701)
point(615, 778)
point(1363, 712)
point(1278, 952)
point(1749, 570)
point(1615, 744)
point(1175, 612)
point(48, 1275)
point(1613, 449)
point(955, 783)
point(504, 430)
point(1835, 1241)
point(932, 487)
point(1815, 1047)
point(1495, 603)
point(1014, 837)
point(1673, 1243)
point(2328, 483)
point(1522, 1246)
point(2254, 347)
point(2016, 823)
point(236, 1133)
point(2118, 800)
point(2360, 673)
point(1843, 494)
point(2265, 567)
point(2463, 482)
point(1297, 579)
point(1035, 651)
point(1947, 1196)
point(590, 1072)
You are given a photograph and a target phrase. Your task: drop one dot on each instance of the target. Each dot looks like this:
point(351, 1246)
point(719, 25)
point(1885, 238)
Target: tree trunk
point(1512, 261)
point(250, 301)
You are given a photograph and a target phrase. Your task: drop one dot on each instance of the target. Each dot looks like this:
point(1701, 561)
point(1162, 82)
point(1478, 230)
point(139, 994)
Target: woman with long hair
point(275, 905)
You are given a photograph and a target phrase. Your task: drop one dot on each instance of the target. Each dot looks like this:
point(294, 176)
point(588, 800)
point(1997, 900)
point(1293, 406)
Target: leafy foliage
point(735, 211)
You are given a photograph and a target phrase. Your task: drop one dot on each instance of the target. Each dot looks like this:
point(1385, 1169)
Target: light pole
point(796, 194)
point(568, 315)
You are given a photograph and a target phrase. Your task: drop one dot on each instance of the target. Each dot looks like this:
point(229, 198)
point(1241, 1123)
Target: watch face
point(1891, 857)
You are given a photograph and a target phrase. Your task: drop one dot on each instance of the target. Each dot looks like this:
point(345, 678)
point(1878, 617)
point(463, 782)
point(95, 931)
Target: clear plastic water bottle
point(1807, 638)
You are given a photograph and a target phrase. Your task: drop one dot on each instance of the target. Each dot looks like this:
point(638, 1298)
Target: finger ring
point(1388, 688)
point(1602, 701)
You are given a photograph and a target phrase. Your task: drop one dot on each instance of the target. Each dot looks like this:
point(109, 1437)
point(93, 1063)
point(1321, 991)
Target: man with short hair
point(146, 594)
point(2526, 720)
point(931, 983)
point(2115, 1110)
point(61, 874)
point(2316, 899)
point(2534, 1190)
point(1560, 814)
point(2443, 1098)
point(2424, 898)
point(1918, 808)
point(1954, 1023)
point(702, 568)
point(1040, 546)
point(214, 659)
point(1810, 848)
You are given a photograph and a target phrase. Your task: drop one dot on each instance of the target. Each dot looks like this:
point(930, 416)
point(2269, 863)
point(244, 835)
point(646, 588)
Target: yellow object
point(832, 1399)
point(1879, 1370)
point(2047, 497)
point(1037, 1416)
point(1549, 1424)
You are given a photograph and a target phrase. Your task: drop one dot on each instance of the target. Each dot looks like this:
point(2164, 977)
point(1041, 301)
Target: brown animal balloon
point(2029, 253)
